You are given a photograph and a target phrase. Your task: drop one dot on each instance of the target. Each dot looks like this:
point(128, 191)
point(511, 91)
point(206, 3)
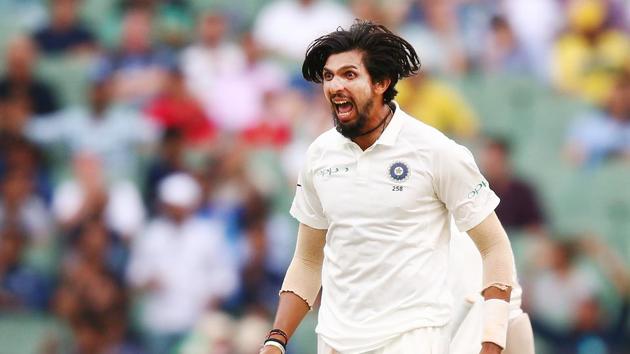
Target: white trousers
point(426, 340)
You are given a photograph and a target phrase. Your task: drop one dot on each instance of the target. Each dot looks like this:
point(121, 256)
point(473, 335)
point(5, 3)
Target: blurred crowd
point(149, 151)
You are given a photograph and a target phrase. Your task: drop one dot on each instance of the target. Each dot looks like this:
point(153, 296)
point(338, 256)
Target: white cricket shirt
point(387, 211)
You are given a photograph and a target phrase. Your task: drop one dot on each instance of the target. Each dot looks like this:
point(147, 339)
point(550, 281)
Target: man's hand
point(490, 348)
point(269, 350)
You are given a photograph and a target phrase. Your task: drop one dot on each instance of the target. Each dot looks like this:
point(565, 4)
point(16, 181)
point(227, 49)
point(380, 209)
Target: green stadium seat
point(535, 119)
point(28, 333)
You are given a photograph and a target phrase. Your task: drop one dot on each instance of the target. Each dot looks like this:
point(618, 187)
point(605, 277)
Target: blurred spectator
point(170, 159)
point(535, 24)
point(149, 4)
point(438, 39)
point(20, 81)
point(519, 208)
point(224, 188)
point(437, 104)
point(562, 276)
point(589, 329)
point(175, 108)
point(591, 332)
point(619, 14)
point(249, 328)
point(260, 282)
point(211, 54)
point(86, 195)
point(273, 130)
point(21, 288)
point(218, 333)
point(589, 56)
point(262, 84)
point(504, 53)
point(20, 207)
point(231, 82)
point(15, 113)
point(370, 10)
point(90, 299)
point(310, 116)
point(208, 60)
point(603, 133)
point(114, 133)
point(286, 27)
point(227, 188)
point(138, 68)
point(181, 262)
point(173, 18)
point(20, 155)
point(64, 33)
point(95, 246)
point(214, 333)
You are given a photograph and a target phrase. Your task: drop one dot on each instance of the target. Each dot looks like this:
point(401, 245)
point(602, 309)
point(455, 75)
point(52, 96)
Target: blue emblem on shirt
point(399, 171)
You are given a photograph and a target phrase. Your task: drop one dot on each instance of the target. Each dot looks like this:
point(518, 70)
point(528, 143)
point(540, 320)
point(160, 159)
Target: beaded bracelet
point(280, 333)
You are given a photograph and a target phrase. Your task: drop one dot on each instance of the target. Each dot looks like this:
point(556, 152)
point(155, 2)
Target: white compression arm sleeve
point(498, 271)
point(304, 276)
point(496, 253)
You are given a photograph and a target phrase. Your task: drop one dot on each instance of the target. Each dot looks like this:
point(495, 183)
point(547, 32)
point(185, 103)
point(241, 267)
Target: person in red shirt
point(176, 108)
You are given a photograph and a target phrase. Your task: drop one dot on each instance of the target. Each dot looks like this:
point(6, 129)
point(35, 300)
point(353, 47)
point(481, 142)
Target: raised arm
point(498, 262)
point(301, 286)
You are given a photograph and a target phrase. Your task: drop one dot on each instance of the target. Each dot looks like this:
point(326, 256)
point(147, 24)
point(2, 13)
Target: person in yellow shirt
point(587, 58)
point(439, 105)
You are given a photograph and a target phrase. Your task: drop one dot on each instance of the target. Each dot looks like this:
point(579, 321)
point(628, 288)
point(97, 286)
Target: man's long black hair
point(385, 55)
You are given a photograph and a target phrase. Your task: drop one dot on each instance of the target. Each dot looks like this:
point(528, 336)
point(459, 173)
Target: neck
point(380, 119)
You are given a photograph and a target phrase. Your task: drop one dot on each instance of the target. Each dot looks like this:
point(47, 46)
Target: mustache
point(338, 96)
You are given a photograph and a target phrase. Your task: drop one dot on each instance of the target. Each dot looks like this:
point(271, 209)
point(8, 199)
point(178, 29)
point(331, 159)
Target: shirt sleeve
point(306, 207)
point(461, 187)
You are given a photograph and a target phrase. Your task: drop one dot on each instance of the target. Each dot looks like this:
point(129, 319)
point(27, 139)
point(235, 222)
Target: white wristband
point(495, 321)
point(275, 344)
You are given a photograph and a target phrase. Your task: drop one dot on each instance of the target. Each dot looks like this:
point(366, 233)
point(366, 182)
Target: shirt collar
point(389, 136)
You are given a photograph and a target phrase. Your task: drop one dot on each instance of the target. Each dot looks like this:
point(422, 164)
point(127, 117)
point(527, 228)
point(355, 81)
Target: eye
point(328, 76)
point(351, 75)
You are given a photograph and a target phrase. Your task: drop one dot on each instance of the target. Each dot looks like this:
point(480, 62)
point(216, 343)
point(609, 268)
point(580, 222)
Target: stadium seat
point(29, 333)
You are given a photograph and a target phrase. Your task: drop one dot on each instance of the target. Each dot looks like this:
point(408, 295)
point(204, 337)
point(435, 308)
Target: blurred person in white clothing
point(88, 194)
point(536, 24)
point(114, 133)
point(181, 263)
point(210, 57)
point(20, 206)
point(286, 27)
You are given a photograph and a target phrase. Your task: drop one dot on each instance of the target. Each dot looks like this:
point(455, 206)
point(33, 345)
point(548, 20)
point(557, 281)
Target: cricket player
point(374, 201)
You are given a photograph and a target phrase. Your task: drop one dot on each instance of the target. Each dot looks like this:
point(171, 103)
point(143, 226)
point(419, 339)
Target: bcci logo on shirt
point(399, 171)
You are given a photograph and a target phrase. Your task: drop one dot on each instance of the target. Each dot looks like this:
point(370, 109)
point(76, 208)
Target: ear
point(381, 86)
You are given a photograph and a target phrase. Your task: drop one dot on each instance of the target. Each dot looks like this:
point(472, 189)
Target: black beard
point(355, 129)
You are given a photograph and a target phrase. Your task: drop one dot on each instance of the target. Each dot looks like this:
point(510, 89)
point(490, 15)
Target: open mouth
point(344, 109)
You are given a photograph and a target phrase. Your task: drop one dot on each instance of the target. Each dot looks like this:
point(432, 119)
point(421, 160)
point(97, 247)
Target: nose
point(335, 85)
